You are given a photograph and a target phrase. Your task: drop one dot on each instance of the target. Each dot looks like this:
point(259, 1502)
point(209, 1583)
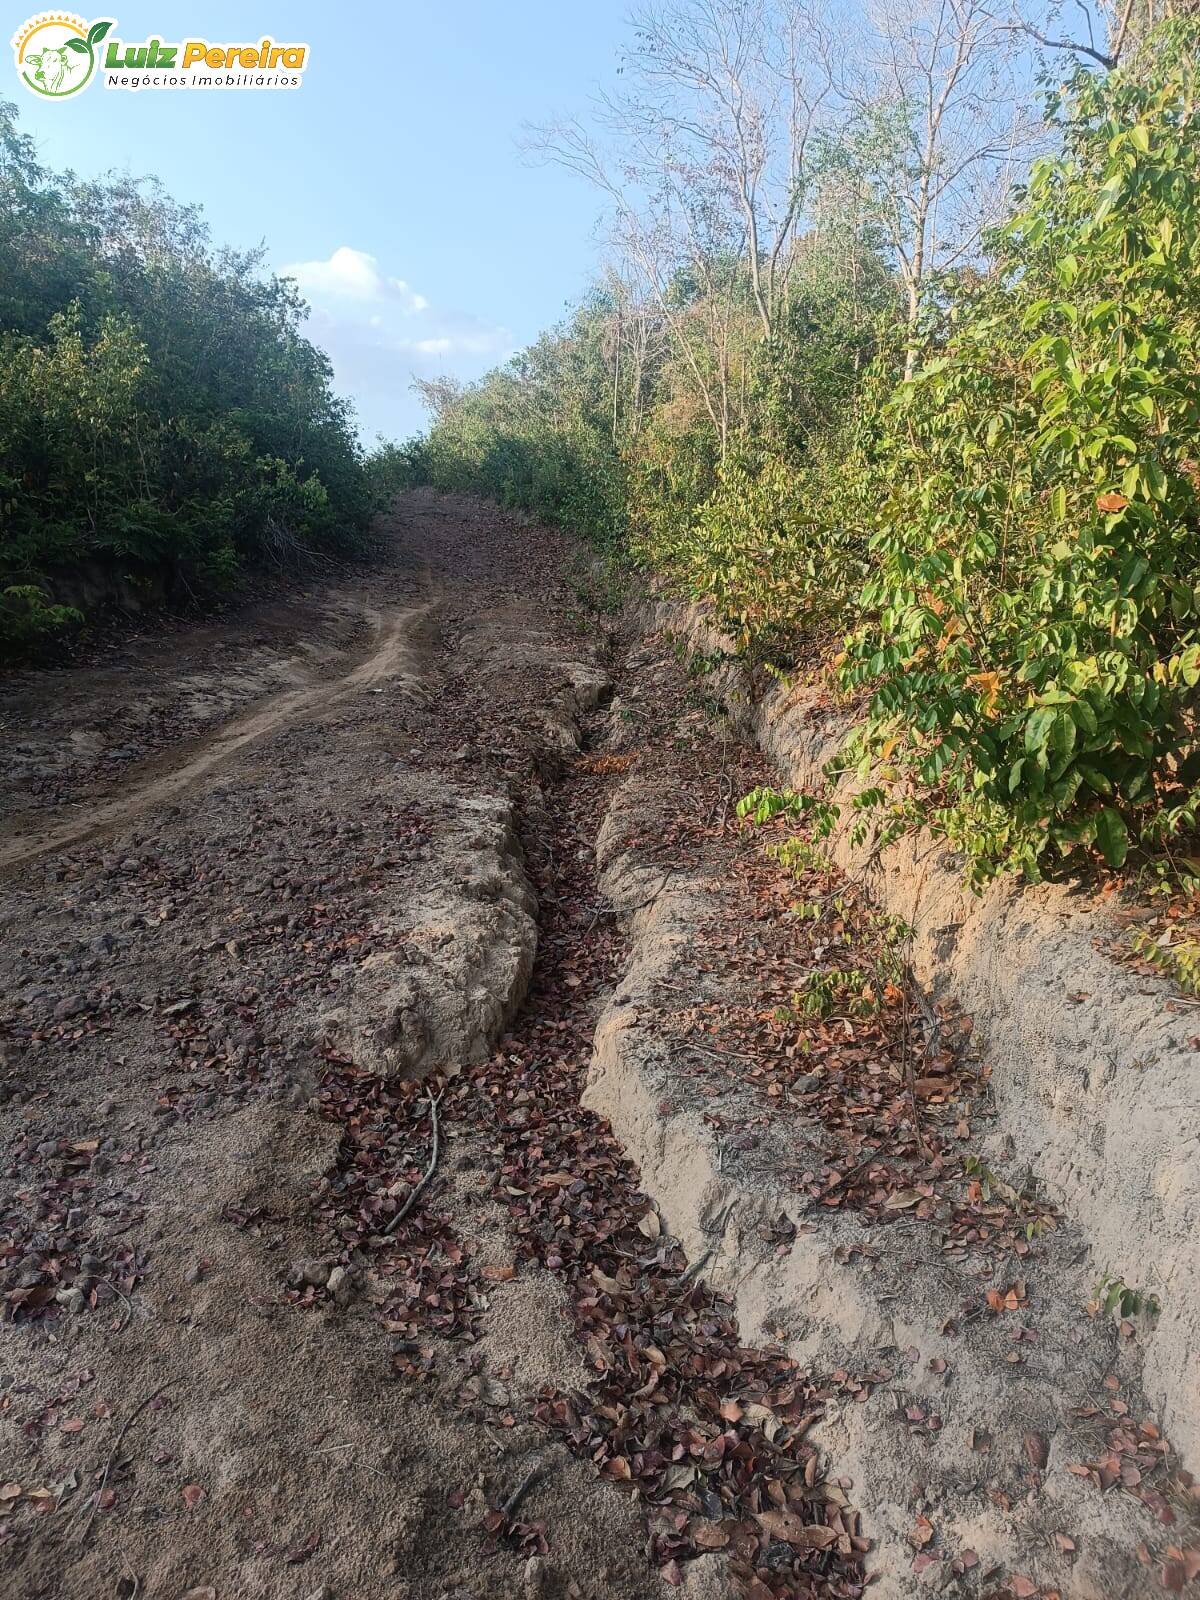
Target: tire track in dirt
point(399, 641)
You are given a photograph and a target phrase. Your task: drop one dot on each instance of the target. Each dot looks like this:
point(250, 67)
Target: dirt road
point(337, 940)
point(253, 858)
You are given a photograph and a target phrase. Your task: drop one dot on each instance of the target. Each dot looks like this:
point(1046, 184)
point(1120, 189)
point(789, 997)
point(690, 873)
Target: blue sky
point(391, 178)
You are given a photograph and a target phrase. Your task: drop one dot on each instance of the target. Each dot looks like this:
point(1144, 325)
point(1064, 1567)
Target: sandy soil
point(399, 1145)
point(267, 842)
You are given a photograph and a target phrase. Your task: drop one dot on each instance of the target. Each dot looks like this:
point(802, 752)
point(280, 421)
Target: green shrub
point(160, 413)
point(1030, 637)
point(28, 618)
point(1008, 545)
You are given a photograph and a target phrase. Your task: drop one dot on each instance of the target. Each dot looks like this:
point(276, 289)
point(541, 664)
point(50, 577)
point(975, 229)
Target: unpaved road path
point(317, 850)
point(391, 656)
point(337, 940)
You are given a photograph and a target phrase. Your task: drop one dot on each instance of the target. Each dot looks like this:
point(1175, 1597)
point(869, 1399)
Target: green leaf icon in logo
point(97, 31)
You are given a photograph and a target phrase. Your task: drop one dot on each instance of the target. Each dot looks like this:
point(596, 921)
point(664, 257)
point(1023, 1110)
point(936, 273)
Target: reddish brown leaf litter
point(48, 1258)
point(837, 1038)
point(795, 994)
point(381, 1157)
point(711, 1436)
point(710, 1433)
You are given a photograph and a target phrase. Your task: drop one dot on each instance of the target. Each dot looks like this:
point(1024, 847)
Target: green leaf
point(1062, 742)
point(97, 31)
point(1038, 729)
point(1112, 836)
point(1085, 717)
point(78, 46)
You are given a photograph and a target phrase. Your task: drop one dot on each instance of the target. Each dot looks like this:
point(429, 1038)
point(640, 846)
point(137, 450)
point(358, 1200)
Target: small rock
point(341, 1286)
point(313, 1274)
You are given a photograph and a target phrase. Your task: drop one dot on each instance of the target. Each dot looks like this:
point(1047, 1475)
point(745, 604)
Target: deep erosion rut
point(444, 1157)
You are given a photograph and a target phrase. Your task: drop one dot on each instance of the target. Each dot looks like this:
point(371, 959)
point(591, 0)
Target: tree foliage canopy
point(161, 415)
point(986, 508)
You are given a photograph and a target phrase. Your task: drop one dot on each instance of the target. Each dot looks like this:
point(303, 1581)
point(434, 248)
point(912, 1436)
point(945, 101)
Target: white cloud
point(380, 334)
point(353, 275)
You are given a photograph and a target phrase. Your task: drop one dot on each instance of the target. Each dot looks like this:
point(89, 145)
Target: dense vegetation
point(162, 420)
point(976, 504)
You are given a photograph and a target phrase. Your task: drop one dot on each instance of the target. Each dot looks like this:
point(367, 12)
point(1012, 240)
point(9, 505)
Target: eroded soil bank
point(426, 1170)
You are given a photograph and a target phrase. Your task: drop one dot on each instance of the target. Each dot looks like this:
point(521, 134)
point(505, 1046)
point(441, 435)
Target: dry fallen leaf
point(192, 1494)
point(803, 1535)
point(922, 1533)
point(709, 1535)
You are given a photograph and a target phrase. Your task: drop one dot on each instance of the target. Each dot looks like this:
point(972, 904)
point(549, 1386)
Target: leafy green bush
point(392, 468)
point(162, 420)
point(1008, 544)
point(1030, 640)
point(28, 617)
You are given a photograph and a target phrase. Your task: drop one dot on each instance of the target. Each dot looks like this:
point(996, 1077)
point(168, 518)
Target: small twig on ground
point(414, 1196)
point(696, 1267)
point(133, 1577)
point(910, 1079)
point(112, 1455)
point(627, 911)
point(850, 1172)
point(123, 1296)
point(912, 987)
point(933, 1021)
point(718, 1055)
point(509, 1507)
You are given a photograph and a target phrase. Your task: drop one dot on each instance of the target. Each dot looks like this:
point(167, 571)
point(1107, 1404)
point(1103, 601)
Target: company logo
point(58, 54)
